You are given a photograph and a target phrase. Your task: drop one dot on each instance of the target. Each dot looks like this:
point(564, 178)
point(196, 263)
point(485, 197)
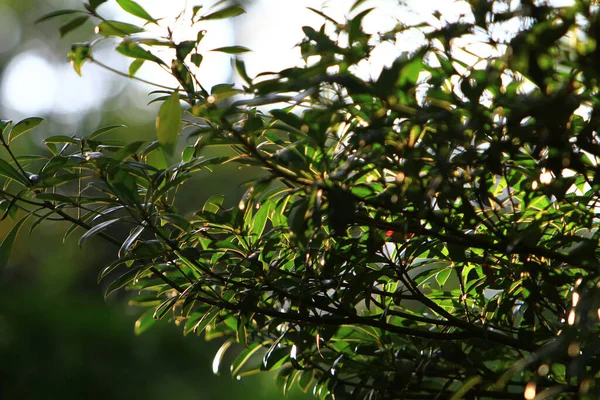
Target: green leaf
point(72, 25)
point(442, 276)
point(23, 126)
point(168, 122)
point(232, 49)
point(55, 14)
point(410, 72)
point(9, 240)
point(219, 357)
point(266, 363)
point(243, 357)
point(10, 172)
point(241, 334)
point(97, 229)
point(188, 153)
point(144, 322)
point(157, 159)
point(119, 261)
point(205, 320)
point(80, 52)
point(61, 139)
point(306, 379)
point(55, 181)
point(133, 236)
point(228, 12)
point(96, 3)
point(134, 50)
point(240, 67)
point(164, 307)
point(104, 130)
point(4, 124)
point(357, 4)
point(196, 59)
point(355, 32)
point(54, 197)
point(191, 322)
point(322, 14)
point(213, 204)
point(121, 281)
point(116, 28)
point(39, 221)
point(176, 221)
point(468, 385)
point(135, 9)
point(260, 219)
point(184, 48)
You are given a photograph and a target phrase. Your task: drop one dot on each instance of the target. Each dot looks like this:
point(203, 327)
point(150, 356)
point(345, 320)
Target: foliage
point(428, 233)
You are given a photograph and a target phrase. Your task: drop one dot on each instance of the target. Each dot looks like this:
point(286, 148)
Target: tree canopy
point(427, 233)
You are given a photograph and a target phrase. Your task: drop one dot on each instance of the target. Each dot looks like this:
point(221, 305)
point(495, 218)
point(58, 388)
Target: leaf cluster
point(429, 233)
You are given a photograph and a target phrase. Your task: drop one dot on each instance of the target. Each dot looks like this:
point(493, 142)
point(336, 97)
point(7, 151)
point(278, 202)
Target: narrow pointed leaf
point(97, 229)
point(265, 361)
point(135, 66)
point(10, 172)
point(168, 122)
point(166, 305)
point(9, 240)
point(135, 9)
point(133, 236)
point(4, 124)
point(23, 126)
point(219, 357)
point(116, 28)
point(104, 130)
point(72, 25)
point(96, 3)
point(232, 49)
point(122, 281)
point(206, 320)
point(57, 14)
point(228, 12)
point(144, 322)
point(243, 357)
point(134, 50)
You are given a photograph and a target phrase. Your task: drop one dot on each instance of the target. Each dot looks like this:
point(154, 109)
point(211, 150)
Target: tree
point(429, 233)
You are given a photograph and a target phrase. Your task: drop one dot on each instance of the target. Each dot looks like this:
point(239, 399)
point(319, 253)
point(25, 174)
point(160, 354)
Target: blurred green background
point(59, 338)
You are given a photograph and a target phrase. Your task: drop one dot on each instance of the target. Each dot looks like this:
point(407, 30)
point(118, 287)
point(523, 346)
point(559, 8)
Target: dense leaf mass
point(427, 233)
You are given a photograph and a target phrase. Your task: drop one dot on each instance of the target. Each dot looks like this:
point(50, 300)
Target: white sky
point(271, 28)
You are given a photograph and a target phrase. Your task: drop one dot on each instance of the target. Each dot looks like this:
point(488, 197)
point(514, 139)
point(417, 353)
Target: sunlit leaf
point(442, 276)
point(80, 52)
point(144, 322)
point(219, 357)
point(134, 50)
point(96, 229)
point(23, 126)
point(134, 8)
point(103, 130)
point(168, 122)
point(243, 358)
point(133, 236)
point(115, 28)
point(228, 12)
point(121, 281)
